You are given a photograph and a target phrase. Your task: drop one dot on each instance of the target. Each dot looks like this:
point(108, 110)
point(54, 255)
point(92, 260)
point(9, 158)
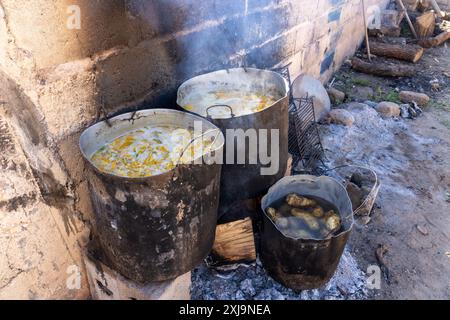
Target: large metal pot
point(159, 227)
point(244, 181)
point(303, 264)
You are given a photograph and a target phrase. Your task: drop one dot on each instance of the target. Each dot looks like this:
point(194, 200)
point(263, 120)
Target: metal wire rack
point(304, 139)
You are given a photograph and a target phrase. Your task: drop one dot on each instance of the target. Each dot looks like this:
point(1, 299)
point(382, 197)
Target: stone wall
point(57, 80)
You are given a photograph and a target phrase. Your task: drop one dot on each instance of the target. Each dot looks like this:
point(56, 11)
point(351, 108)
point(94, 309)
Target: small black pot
point(303, 264)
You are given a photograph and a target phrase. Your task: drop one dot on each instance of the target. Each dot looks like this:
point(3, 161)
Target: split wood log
point(435, 41)
point(234, 242)
point(383, 69)
point(425, 24)
point(411, 53)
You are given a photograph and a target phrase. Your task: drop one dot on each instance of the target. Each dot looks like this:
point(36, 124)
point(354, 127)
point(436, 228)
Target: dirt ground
point(415, 229)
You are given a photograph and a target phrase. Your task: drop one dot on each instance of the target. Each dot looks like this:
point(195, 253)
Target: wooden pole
point(366, 31)
point(411, 26)
point(437, 9)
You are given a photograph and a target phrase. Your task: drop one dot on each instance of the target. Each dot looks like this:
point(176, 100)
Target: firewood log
point(411, 53)
point(435, 41)
point(234, 242)
point(425, 24)
point(383, 69)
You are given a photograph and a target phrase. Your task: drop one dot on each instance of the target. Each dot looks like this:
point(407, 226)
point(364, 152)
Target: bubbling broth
point(302, 217)
point(241, 102)
point(148, 151)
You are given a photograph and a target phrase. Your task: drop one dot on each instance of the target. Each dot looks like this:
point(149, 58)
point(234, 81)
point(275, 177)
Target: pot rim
point(131, 116)
point(311, 178)
point(196, 78)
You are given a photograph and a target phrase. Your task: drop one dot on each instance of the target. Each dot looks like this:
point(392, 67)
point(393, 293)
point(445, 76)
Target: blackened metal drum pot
point(245, 181)
point(303, 264)
point(159, 227)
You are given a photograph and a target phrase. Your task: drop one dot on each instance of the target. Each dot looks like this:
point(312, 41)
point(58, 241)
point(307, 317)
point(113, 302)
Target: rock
point(355, 194)
point(361, 93)
point(341, 116)
point(371, 103)
point(353, 106)
point(336, 96)
point(307, 85)
point(357, 178)
point(365, 220)
point(276, 295)
point(247, 287)
point(388, 109)
point(404, 111)
point(409, 96)
point(416, 108)
point(240, 295)
point(422, 229)
point(380, 252)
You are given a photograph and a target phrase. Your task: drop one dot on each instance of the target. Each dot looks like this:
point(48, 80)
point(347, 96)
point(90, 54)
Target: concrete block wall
point(127, 53)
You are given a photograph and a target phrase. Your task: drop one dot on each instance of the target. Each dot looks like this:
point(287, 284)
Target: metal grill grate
point(304, 139)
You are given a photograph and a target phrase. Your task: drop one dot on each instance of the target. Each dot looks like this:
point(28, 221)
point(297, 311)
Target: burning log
point(411, 53)
point(383, 70)
point(435, 41)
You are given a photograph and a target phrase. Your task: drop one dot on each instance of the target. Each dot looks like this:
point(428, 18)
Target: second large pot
point(244, 181)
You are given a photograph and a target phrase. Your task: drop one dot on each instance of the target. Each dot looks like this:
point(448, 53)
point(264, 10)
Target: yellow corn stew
point(242, 103)
point(149, 151)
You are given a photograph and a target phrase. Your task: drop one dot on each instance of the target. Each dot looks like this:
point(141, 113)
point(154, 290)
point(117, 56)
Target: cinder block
point(107, 284)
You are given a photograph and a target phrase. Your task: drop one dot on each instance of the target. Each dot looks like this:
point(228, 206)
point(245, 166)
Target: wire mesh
point(304, 140)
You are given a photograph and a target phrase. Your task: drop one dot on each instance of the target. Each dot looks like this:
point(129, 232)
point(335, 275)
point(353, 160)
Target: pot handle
point(219, 106)
point(192, 141)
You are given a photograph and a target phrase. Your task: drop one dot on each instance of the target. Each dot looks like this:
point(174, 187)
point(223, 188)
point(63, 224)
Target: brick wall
point(127, 53)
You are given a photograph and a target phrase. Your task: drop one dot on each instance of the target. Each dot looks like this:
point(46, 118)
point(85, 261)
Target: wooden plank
point(235, 242)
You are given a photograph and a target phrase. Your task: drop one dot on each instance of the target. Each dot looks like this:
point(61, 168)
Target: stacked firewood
point(429, 26)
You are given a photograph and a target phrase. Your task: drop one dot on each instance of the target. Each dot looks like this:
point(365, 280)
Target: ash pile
point(251, 282)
